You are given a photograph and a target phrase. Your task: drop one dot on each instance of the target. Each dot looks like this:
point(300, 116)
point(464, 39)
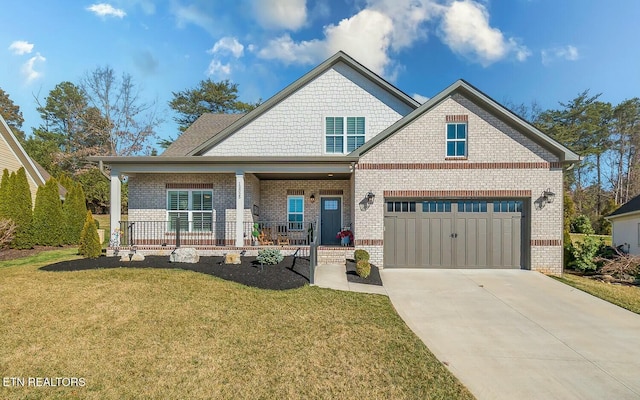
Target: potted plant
point(345, 236)
point(255, 232)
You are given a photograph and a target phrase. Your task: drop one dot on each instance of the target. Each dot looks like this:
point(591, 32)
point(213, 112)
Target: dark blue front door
point(330, 220)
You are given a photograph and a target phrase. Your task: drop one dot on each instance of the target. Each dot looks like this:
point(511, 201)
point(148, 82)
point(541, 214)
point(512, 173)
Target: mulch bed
point(292, 272)
point(353, 277)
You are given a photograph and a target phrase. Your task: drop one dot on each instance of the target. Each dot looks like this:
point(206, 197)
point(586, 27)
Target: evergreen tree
point(22, 210)
point(74, 210)
point(47, 215)
point(4, 194)
point(90, 246)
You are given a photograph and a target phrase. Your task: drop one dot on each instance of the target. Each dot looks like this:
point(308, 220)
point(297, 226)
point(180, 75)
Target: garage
point(476, 233)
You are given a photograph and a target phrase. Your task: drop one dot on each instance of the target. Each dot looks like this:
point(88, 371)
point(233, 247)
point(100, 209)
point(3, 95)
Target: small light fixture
point(370, 198)
point(330, 175)
point(312, 198)
point(548, 196)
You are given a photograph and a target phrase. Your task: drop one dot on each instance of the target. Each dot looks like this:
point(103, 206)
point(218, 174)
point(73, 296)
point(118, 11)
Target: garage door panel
point(482, 235)
point(390, 246)
point(410, 240)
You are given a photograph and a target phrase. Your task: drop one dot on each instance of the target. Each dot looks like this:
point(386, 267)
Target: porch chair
point(283, 236)
point(264, 238)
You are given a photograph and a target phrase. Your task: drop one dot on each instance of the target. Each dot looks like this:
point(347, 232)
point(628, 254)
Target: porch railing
point(313, 252)
point(217, 233)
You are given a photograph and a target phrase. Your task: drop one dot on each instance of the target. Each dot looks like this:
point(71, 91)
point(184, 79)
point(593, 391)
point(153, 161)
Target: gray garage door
point(453, 233)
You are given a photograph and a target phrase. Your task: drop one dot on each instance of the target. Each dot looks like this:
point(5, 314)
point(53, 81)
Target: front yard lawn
point(170, 333)
point(625, 296)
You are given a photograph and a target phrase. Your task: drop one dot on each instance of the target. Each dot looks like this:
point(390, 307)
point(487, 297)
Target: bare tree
point(131, 122)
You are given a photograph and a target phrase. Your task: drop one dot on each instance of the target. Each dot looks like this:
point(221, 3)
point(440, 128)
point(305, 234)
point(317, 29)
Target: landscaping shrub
point(21, 211)
point(74, 211)
point(363, 268)
point(584, 254)
point(5, 199)
point(361, 255)
point(90, 246)
point(47, 215)
point(582, 224)
point(270, 256)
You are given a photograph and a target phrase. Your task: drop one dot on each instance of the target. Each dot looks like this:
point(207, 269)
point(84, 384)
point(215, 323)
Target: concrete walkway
point(335, 277)
point(511, 334)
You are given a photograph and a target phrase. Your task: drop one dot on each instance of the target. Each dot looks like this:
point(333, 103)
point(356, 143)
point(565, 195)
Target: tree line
point(607, 137)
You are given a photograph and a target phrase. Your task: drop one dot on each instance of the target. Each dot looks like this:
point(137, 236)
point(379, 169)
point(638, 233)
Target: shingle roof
point(203, 129)
point(632, 205)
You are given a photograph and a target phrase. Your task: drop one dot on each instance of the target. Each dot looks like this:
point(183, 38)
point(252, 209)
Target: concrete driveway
point(511, 334)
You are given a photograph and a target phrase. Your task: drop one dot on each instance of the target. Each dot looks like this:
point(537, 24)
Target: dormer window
point(344, 134)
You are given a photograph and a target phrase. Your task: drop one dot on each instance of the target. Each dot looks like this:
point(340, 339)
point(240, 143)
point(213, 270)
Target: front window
point(193, 207)
point(456, 140)
point(344, 134)
point(295, 212)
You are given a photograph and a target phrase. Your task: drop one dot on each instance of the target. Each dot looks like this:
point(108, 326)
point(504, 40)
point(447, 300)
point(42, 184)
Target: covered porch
point(216, 204)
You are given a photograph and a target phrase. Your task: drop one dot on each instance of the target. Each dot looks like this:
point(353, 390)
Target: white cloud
point(106, 10)
point(20, 47)
point(365, 36)
point(385, 27)
point(465, 29)
point(409, 18)
point(218, 69)
point(420, 98)
point(569, 53)
point(228, 45)
point(280, 14)
point(192, 15)
point(28, 69)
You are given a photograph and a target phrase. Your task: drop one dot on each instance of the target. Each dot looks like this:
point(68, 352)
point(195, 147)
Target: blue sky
point(516, 51)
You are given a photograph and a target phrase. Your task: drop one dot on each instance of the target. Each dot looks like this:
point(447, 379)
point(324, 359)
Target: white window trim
point(345, 136)
point(189, 211)
point(296, 212)
point(447, 140)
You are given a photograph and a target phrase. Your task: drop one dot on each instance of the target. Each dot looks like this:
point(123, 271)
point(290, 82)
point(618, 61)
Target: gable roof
point(485, 102)
point(630, 207)
point(16, 148)
point(207, 126)
point(295, 86)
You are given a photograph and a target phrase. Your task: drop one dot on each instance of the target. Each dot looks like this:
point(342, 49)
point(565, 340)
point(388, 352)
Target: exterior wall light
point(312, 198)
point(548, 196)
point(370, 198)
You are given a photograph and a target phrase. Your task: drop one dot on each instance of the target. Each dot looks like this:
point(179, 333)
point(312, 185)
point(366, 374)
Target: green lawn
point(577, 237)
point(103, 220)
point(625, 296)
point(142, 333)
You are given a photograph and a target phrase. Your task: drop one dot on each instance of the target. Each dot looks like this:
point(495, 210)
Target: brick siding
point(501, 163)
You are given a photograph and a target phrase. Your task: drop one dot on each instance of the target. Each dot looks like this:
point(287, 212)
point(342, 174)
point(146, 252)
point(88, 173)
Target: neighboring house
point(625, 226)
point(13, 156)
point(457, 182)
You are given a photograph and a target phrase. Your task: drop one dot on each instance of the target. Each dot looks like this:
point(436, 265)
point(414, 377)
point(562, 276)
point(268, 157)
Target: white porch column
point(240, 208)
point(115, 200)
